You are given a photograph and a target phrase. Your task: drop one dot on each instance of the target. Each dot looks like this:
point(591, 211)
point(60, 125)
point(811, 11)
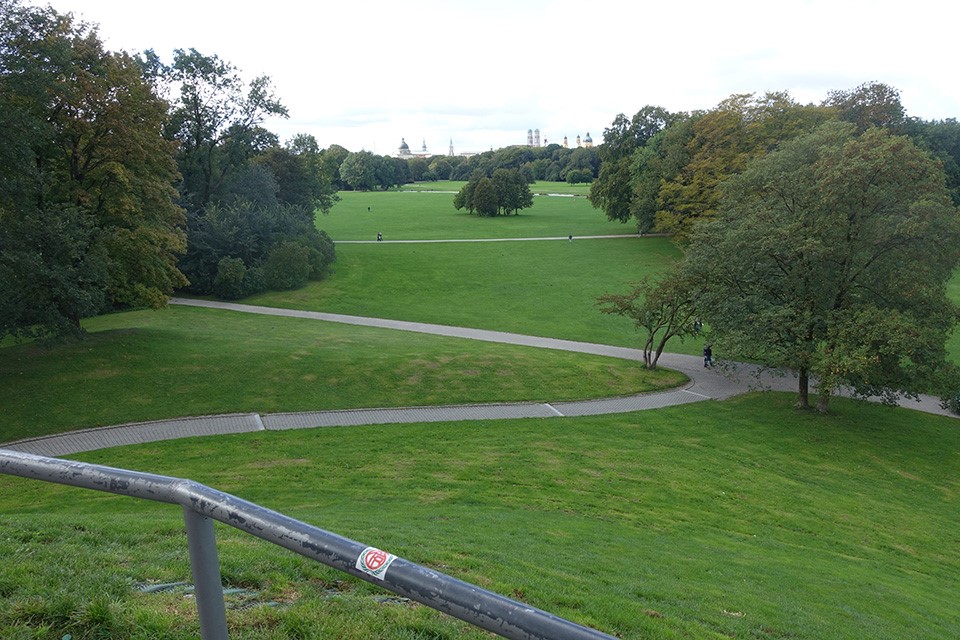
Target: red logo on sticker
point(374, 559)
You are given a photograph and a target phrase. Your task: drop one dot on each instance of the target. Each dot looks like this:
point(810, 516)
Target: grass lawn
point(406, 215)
point(716, 520)
point(544, 288)
point(182, 361)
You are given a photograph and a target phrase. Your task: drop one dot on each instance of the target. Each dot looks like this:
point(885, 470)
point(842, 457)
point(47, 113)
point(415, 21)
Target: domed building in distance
point(403, 151)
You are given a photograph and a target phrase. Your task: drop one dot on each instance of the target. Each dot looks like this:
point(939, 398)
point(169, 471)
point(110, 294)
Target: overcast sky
point(366, 73)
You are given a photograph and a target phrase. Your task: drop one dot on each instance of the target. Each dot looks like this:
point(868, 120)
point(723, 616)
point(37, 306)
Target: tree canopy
point(830, 256)
point(505, 192)
point(88, 219)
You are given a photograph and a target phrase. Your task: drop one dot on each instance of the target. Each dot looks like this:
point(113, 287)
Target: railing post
point(205, 565)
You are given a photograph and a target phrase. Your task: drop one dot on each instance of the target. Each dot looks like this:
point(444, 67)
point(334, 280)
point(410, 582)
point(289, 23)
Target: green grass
point(716, 520)
point(183, 361)
point(404, 215)
point(953, 344)
point(544, 288)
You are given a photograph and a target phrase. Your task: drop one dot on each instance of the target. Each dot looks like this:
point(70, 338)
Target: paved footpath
point(722, 381)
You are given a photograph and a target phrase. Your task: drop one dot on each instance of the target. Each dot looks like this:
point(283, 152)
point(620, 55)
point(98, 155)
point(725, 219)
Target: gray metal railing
point(202, 504)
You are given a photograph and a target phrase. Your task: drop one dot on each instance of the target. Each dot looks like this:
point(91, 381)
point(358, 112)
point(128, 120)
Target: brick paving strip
point(705, 384)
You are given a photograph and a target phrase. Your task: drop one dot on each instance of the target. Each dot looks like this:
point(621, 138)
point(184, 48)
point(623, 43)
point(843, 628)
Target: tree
point(612, 191)
point(663, 310)
point(87, 213)
point(512, 189)
point(657, 164)
point(464, 197)
point(215, 119)
point(254, 235)
point(298, 177)
point(331, 158)
point(872, 104)
point(508, 193)
point(359, 171)
point(830, 257)
point(724, 140)
point(485, 197)
point(942, 139)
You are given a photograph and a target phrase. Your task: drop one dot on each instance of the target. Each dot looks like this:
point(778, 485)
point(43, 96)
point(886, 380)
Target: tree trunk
point(803, 391)
point(823, 402)
point(649, 361)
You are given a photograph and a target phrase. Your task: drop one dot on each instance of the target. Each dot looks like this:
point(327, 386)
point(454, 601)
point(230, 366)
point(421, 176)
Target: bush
point(952, 403)
point(287, 266)
point(577, 176)
point(228, 284)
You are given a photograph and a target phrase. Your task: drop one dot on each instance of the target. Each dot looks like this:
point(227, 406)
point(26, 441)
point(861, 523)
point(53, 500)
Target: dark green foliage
point(578, 176)
point(831, 257)
point(229, 282)
point(614, 190)
point(942, 139)
point(88, 220)
point(287, 266)
point(216, 120)
point(249, 236)
point(485, 197)
point(506, 192)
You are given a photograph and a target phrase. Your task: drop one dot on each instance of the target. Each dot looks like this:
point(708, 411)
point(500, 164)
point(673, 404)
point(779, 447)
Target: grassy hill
point(716, 520)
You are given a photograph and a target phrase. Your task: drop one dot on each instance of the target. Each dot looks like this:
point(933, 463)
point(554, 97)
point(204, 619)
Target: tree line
point(366, 171)
point(124, 178)
point(819, 238)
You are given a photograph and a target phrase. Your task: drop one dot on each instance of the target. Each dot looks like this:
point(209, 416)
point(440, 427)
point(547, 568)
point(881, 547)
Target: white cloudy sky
point(364, 73)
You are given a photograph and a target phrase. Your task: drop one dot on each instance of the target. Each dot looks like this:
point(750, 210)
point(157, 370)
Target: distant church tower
point(565, 145)
point(588, 141)
point(536, 137)
point(529, 137)
point(450, 153)
point(578, 141)
point(424, 147)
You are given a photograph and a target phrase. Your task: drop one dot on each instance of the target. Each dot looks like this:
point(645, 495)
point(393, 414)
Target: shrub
point(229, 283)
point(287, 266)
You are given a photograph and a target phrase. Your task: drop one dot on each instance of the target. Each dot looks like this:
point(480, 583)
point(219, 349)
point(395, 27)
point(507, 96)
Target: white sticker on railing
point(375, 562)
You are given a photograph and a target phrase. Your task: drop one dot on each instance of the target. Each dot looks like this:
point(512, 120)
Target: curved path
point(525, 239)
point(705, 384)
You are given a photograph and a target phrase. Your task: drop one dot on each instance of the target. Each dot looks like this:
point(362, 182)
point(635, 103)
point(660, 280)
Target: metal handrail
point(202, 504)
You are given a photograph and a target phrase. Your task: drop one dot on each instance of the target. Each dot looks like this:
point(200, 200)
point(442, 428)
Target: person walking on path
point(707, 356)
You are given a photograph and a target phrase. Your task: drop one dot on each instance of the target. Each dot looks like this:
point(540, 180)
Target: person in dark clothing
point(707, 356)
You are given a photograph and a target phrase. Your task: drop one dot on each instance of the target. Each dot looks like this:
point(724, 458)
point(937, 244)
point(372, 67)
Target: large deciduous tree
point(830, 256)
point(723, 141)
point(87, 212)
point(216, 119)
point(613, 191)
point(507, 191)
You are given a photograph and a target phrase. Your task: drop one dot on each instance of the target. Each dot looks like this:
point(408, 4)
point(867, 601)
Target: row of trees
point(664, 170)
point(817, 238)
point(124, 179)
point(250, 202)
point(88, 213)
point(366, 171)
point(505, 192)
